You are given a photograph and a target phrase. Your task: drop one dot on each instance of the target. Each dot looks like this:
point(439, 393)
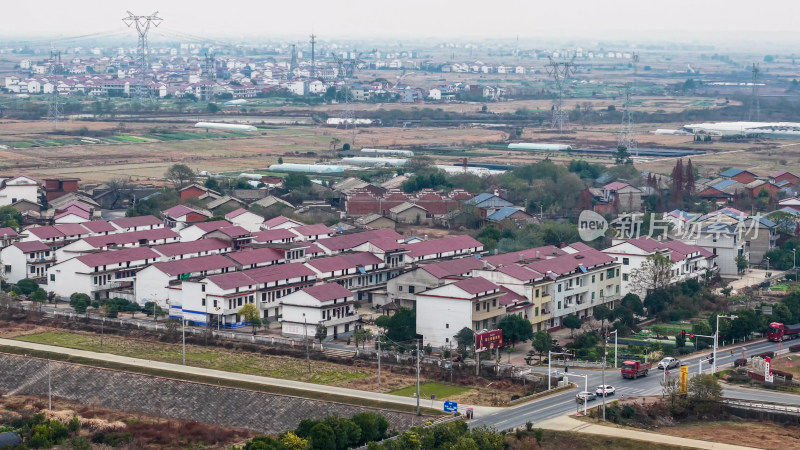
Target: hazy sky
point(501, 19)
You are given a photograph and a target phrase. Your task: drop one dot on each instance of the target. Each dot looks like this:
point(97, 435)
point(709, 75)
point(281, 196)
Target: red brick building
point(56, 187)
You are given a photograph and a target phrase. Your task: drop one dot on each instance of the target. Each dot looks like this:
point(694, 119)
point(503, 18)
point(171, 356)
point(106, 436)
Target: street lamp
point(586, 389)
point(716, 339)
point(615, 347)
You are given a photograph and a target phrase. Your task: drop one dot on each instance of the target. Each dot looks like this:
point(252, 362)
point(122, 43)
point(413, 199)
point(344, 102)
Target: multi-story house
point(159, 281)
point(329, 305)
point(688, 261)
point(403, 288)
point(443, 311)
point(26, 260)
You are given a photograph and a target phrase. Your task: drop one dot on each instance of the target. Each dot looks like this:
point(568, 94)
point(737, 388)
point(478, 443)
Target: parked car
point(669, 363)
point(585, 396)
point(607, 389)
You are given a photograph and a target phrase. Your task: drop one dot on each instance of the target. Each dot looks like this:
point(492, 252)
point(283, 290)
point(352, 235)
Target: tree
point(362, 336)
point(654, 274)
point(322, 437)
point(741, 263)
point(296, 181)
point(704, 387)
point(79, 302)
point(373, 426)
point(151, 308)
point(602, 313)
point(515, 329)
point(27, 286)
point(251, 316)
point(118, 188)
point(291, 441)
point(465, 338)
point(10, 217)
point(542, 342)
point(213, 108)
point(622, 155)
point(263, 443)
point(402, 326)
point(573, 323)
point(179, 175)
point(321, 333)
point(39, 296)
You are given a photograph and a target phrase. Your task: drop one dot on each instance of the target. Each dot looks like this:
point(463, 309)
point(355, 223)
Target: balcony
point(349, 318)
point(492, 312)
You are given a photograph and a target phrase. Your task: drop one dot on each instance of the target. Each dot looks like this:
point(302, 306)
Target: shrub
point(539, 433)
point(529, 425)
point(515, 397)
point(740, 362)
point(80, 443)
point(794, 348)
point(113, 439)
point(788, 375)
point(628, 412)
point(766, 354)
point(74, 424)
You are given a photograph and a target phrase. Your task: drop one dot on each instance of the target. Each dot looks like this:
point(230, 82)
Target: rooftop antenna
point(54, 109)
point(560, 71)
point(627, 137)
point(754, 114)
point(142, 24)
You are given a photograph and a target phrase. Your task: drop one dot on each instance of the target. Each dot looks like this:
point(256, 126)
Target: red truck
point(635, 369)
point(779, 332)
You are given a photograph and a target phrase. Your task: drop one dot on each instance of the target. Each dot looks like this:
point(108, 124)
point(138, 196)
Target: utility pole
point(605, 355)
point(379, 362)
point(183, 336)
point(716, 341)
point(313, 57)
point(142, 25)
point(49, 387)
point(418, 412)
point(305, 338)
point(615, 347)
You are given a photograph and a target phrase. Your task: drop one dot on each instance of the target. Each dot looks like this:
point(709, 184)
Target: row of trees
point(331, 433)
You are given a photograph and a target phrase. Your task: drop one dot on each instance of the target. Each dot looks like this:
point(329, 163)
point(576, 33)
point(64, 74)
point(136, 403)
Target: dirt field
point(749, 434)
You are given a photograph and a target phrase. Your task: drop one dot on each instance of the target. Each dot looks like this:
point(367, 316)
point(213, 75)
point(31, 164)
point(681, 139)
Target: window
point(400, 287)
point(33, 269)
point(624, 277)
point(536, 311)
point(52, 277)
point(537, 293)
point(626, 261)
point(477, 306)
point(559, 304)
point(202, 302)
point(447, 325)
point(494, 302)
point(592, 295)
point(559, 287)
point(601, 293)
point(411, 289)
point(617, 289)
point(202, 287)
point(592, 278)
point(8, 269)
point(601, 276)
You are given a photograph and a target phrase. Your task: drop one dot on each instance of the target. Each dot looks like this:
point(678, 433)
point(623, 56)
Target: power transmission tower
point(346, 67)
point(210, 73)
point(560, 71)
point(142, 24)
point(313, 57)
point(54, 110)
point(293, 62)
point(754, 114)
point(627, 137)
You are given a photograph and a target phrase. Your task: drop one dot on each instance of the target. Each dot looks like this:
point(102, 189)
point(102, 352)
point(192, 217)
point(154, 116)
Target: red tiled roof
point(117, 256)
point(46, 232)
point(275, 221)
point(510, 297)
point(443, 245)
point(130, 237)
point(568, 263)
point(71, 229)
point(234, 231)
point(615, 186)
point(235, 213)
point(312, 230)
point(182, 210)
point(212, 226)
point(99, 226)
point(8, 232)
point(348, 241)
point(83, 214)
point(453, 267)
point(31, 246)
point(232, 280)
point(277, 272)
point(185, 248)
point(510, 258)
point(255, 256)
point(343, 262)
point(475, 285)
point(277, 234)
point(521, 273)
point(140, 221)
point(327, 292)
point(314, 249)
point(193, 265)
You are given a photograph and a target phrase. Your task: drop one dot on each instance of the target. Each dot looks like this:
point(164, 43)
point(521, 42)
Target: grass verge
point(440, 390)
point(315, 395)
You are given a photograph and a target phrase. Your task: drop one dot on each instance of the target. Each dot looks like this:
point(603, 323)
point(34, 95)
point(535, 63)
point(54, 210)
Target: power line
point(54, 110)
point(627, 136)
point(560, 71)
point(754, 113)
point(142, 25)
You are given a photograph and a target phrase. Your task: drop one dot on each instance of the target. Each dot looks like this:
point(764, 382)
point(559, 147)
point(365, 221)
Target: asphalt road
point(564, 402)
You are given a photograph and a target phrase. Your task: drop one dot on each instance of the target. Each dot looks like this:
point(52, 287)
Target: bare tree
point(118, 189)
point(654, 274)
point(179, 175)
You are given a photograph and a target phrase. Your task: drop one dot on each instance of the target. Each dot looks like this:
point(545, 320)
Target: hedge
point(765, 354)
point(741, 362)
point(794, 348)
point(788, 375)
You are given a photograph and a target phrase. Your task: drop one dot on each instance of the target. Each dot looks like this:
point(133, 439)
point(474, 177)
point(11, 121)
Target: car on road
point(669, 363)
point(585, 396)
point(606, 389)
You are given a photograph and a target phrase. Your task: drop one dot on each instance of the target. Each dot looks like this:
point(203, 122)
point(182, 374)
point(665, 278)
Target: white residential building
point(18, 188)
point(161, 282)
point(26, 260)
point(329, 305)
point(245, 219)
